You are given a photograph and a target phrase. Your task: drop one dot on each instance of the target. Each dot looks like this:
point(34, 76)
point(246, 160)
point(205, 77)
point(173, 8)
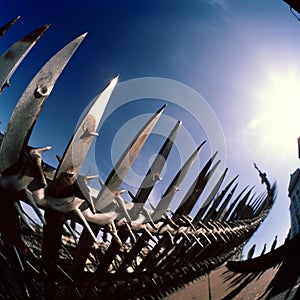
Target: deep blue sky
point(236, 54)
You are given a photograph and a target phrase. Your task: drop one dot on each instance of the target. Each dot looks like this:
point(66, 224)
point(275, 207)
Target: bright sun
point(279, 111)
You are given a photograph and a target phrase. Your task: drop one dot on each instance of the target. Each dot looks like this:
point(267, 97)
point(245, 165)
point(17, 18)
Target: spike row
point(207, 240)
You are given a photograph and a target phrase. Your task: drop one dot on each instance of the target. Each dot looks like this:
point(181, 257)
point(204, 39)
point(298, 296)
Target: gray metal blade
point(156, 167)
point(12, 58)
point(30, 104)
point(121, 168)
point(167, 197)
point(195, 190)
point(80, 143)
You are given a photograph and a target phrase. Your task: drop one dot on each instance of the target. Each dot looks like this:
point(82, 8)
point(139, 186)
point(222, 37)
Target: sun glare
point(279, 113)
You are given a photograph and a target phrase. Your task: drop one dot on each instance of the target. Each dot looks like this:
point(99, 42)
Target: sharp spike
point(16, 53)
point(121, 168)
point(130, 232)
point(4, 28)
point(86, 224)
point(29, 106)
point(90, 177)
point(41, 150)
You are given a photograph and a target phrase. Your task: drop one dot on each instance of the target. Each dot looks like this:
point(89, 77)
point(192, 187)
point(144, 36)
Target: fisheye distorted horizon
point(241, 58)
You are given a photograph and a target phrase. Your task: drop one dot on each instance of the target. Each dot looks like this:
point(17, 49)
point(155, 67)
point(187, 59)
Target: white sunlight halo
point(277, 123)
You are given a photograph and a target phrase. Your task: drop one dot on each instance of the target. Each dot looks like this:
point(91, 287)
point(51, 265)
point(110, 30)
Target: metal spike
point(130, 232)
point(29, 106)
point(195, 190)
point(174, 186)
point(88, 134)
point(85, 223)
point(153, 173)
point(210, 214)
point(90, 177)
point(5, 27)
point(124, 163)
point(77, 149)
point(12, 58)
point(208, 200)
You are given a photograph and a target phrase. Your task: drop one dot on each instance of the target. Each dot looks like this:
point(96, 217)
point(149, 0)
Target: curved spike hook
point(86, 224)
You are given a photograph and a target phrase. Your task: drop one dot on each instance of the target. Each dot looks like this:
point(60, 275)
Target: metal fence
point(125, 250)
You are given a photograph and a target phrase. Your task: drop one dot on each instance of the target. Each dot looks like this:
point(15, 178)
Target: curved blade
point(210, 213)
point(173, 187)
point(116, 177)
point(239, 207)
point(30, 104)
point(11, 59)
point(5, 27)
point(208, 200)
point(235, 201)
point(80, 143)
point(225, 203)
point(195, 190)
point(154, 171)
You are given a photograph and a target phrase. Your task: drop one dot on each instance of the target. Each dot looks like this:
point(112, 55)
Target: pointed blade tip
point(160, 111)
point(115, 80)
point(81, 37)
point(34, 36)
point(200, 146)
point(214, 155)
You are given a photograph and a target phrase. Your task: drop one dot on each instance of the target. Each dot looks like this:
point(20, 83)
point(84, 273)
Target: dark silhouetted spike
point(195, 190)
point(5, 27)
point(221, 210)
point(167, 197)
point(156, 167)
point(234, 203)
point(207, 202)
point(240, 205)
point(209, 215)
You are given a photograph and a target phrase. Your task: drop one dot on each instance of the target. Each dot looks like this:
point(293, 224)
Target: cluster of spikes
point(125, 250)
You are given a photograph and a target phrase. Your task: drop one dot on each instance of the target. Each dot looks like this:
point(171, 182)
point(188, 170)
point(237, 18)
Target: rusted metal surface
point(30, 104)
point(11, 59)
point(151, 252)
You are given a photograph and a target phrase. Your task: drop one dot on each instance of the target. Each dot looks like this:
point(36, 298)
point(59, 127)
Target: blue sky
point(239, 56)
